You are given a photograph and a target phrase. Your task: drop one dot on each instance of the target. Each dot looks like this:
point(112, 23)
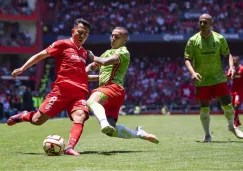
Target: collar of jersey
point(75, 44)
point(207, 36)
point(118, 48)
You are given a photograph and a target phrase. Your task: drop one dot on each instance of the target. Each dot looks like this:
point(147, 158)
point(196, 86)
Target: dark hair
point(81, 21)
point(124, 29)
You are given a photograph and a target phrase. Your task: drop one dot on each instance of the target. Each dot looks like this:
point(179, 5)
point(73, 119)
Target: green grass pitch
point(180, 146)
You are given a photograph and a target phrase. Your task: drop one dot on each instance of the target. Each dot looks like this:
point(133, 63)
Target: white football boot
point(236, 132)
point(146, 136)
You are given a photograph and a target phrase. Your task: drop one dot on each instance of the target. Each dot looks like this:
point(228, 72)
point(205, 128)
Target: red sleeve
point(242, 72)
point(55, 48)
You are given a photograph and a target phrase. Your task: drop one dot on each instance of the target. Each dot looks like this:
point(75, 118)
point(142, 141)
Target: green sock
point(205, 119)
point(229, 115)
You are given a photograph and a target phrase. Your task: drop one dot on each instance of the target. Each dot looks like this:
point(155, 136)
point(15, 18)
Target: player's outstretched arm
point(114, 59)
point(111, 60)
point(93, 77)
point(33, 60)
point(194, 75)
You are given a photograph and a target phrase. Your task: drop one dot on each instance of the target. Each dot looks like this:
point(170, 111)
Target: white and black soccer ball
point(53, 145)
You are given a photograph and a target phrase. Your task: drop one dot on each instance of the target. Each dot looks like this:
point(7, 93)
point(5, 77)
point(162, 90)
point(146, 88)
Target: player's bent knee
point(204, 103)
point(37, 121)
point(79, 116)
point(96, 97)
point(225, 100)
point(39, 118)
point(90, 102)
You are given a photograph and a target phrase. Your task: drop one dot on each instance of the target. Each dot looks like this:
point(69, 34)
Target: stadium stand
point(145, 17)
point(17, 7)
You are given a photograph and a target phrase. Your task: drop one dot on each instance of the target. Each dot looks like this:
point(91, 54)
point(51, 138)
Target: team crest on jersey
point(84, 53)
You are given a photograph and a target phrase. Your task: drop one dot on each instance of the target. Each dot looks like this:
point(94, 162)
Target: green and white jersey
point(115, 73)
point(205, 55)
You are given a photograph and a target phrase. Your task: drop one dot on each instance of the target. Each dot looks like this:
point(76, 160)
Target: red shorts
point(115, 97)
point(237, 97)
point(208, 92)
point(63, 97)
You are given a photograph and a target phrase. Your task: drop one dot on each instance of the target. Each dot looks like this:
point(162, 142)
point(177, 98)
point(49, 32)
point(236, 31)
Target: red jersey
point(237, 85)
point(70, 63)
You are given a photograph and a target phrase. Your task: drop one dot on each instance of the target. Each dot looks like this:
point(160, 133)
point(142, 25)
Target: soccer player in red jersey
point(237, 88)
point(105, 101)
point(70, 87)
point(202, 59)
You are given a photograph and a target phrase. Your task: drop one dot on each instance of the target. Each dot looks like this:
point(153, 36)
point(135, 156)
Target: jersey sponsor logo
point(76, 57)
point(208, 53)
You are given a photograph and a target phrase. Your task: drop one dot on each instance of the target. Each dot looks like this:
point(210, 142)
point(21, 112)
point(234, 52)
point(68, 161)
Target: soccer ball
point(54, 145)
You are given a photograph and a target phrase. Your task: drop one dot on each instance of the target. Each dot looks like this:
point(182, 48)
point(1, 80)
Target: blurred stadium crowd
point(146, 83)
point(20, 7)
point(145, 17)
point(13, 36)
point(10, 33)
point(139, 16)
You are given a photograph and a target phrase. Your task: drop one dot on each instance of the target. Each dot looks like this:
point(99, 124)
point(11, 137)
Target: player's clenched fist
point(17, 72)
point(90, 55)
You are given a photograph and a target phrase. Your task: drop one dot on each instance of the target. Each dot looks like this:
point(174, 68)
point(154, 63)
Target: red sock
point(236, 115)
point(75, 133)
point(28, 116)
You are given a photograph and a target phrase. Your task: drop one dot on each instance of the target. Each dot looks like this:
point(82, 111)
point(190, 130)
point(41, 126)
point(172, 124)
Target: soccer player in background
point(237, 88)
point(106, 100)
point(202, 59)
point(71, 85)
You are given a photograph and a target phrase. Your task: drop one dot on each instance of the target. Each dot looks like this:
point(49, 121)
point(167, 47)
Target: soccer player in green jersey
point(202, 59)
point(106, 100)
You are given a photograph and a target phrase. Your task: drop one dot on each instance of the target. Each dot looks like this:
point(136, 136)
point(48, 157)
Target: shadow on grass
point(108, 152)
point(31, 153)
point(220, 142)
point(89, 152)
